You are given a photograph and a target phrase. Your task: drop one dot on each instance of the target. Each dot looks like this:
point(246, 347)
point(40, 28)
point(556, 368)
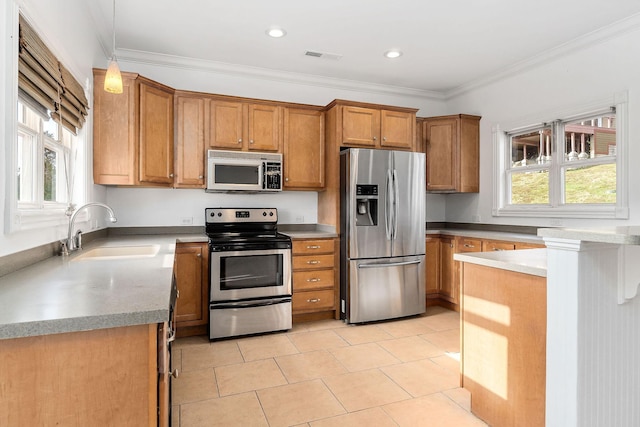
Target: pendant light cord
point(113, 30)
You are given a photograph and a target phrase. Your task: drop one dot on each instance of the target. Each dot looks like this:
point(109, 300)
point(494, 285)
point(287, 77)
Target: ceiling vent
point(323, 55)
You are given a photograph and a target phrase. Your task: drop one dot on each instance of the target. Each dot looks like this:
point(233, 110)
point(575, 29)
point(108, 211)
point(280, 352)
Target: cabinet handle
point(384, 138)
point(375, 138)
point(175, 373)
point(466, 245)
point(240, 141)
point(251, 141)
point(313, 279)
point(177, 293)
point(498, 249)
point(314, 300)
point(171, 337)
point(286, 179)
point(170, 175)
point(200, 176)
point(313, 247)
point(313, 262)
point(199, 255)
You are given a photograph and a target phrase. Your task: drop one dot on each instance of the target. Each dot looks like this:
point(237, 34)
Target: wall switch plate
point(186, 220)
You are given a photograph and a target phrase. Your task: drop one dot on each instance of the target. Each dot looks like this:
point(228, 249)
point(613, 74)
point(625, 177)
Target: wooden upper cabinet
point(156, 133)
point(303, 149)
point(133, 133)
point(242, 126)
point(190, 146)
point(397, 129)
point(453, 153)
point(114, 131)
point(372, 126)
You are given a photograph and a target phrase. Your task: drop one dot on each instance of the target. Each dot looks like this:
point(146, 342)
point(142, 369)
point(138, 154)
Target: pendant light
point(113, 79)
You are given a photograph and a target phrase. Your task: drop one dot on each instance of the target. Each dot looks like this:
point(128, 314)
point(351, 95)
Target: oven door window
point(251, 271)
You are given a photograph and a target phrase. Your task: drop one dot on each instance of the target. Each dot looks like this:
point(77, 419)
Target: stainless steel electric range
point(250, 282)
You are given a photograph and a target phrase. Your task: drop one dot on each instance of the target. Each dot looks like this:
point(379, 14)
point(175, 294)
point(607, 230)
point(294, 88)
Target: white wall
point(597, 72)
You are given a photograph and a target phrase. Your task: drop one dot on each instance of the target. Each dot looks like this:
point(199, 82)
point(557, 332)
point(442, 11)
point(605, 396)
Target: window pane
point(531, 148)
point(590, 138)
point(591, 184)
point(528, 188)
point(25, 168)
point(50, 174)
point(50, 129)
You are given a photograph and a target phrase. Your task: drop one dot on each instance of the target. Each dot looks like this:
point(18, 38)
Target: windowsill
point(581, 211)
point(33, 219)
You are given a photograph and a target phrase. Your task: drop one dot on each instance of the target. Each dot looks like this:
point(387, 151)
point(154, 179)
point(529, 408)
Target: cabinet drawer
point(313, 300)
point(310, 262)
point(306, 247)
point(489, 245)
point(313, 279)
point(466, 244)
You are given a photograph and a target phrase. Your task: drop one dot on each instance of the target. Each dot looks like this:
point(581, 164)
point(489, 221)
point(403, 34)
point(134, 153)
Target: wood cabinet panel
point(397, 129)
point(226, 125)
point(264, 127)
point(316, 300)
point(156, 134)
point(191, 269)
point(190, 145)
point(313, 279)
point(303, 154)
point(315, 246)
point(302, 262)
point(360, 126)
point(448, 286)
point(432, 265)
point(497, 245)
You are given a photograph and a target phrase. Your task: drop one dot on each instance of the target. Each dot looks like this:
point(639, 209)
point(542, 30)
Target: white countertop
point(67, 294)
point(627, 235)
point(527, 261)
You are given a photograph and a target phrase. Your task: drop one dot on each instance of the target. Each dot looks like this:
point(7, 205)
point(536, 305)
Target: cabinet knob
point(466, 245)
point(174, 373)
point(286, 179)
point(199, 255)
point(200, 176)
point(375, 138)
point(313, 300)
point(251, 141)
point(170, 175)
point(384, 138)
point(240, 141)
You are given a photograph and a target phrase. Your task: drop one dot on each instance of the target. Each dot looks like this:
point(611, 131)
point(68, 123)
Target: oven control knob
point(212, 214)
point(219, 214)
point(270, 213)
point(264, 214)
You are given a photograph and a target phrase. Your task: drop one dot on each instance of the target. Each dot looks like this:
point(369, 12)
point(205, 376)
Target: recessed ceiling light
point(276, 32)
point(391, 54)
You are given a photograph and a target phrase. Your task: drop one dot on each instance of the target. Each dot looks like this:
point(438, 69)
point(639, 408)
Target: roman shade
point(47, 82)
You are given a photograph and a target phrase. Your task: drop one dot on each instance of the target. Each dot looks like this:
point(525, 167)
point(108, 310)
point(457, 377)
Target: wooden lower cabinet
point(192, 271)
point(503, 359)
point(90, 378)
point(315, 283)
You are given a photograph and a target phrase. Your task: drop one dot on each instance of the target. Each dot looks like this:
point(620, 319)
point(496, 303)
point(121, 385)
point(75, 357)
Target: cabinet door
point(225, 127)
point(360, 126)
point(397, 129)
point(303, 149)
point(190, 142)
point(156, 135)
point(448, 286)
point(264, 127)
point(191, 307)
point(441, 138)
point(432, 265)
point(114, 132)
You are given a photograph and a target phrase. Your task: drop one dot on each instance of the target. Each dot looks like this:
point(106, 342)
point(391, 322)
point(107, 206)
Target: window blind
point(48, 82)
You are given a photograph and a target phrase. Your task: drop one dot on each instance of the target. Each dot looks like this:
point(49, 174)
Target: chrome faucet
point(72, 243)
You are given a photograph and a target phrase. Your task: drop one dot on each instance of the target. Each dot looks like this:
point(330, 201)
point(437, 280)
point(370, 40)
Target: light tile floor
point(326, 374)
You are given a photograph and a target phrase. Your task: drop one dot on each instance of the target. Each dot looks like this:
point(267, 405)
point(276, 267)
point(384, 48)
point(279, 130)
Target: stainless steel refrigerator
point(382, 244)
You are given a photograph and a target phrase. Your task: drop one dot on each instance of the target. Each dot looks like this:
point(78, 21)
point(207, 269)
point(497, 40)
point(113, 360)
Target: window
point(570, 167)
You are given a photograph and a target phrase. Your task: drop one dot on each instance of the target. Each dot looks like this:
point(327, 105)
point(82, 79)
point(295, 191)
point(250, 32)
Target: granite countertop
point(527, 261)
point(78, 293)
point(494, 235)
point(626, 235)
point(308, 231)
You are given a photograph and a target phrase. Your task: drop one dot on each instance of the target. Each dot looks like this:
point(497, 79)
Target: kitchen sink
point(118, 252)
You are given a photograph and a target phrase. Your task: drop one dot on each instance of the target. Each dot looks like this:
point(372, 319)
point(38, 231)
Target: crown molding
point(150, 58)
point(612, 31)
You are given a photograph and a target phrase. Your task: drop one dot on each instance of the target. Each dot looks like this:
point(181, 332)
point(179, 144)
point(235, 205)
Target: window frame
point(556, 208)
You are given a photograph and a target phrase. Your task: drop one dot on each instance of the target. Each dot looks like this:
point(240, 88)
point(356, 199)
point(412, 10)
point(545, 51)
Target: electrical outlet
point(186, 220)
point(299, 219)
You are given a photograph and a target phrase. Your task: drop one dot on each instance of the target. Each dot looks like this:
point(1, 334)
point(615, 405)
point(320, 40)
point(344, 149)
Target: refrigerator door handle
point(396, 205)
point(388, 220)
point(388, 264)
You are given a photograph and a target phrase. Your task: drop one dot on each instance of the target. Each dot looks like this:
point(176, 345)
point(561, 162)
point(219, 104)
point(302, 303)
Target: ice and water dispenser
point(366, 205)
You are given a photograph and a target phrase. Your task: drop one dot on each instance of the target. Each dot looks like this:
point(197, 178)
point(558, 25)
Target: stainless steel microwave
point(243, 171)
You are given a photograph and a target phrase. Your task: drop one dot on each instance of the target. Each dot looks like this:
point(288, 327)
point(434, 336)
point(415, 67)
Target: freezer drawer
point(384, 289)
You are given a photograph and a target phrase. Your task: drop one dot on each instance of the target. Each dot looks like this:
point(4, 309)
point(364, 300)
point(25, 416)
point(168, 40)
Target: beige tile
point(405, 327)
point(298, 403)
point(364, 356)
point(193, 386)
point(422, 377)
point(365, 389)
point(441, 321)
point(175, 416)
point(218, 353)
point(449, 361)
point(310, 365)
point(266, 346)
point(316, 340)
point(448, 340)
point(233, 379)
point(436, 408)
point(325, 324)
point(461, 396)
point(191, 341)
point(238, 410)
point(411, 348)
point(360, 334)
point(374, 417)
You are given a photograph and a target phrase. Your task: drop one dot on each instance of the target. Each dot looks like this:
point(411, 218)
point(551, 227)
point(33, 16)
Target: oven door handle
point(248, 304)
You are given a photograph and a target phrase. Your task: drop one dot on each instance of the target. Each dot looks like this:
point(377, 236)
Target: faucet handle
point(64, 250)
point(78, 239)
